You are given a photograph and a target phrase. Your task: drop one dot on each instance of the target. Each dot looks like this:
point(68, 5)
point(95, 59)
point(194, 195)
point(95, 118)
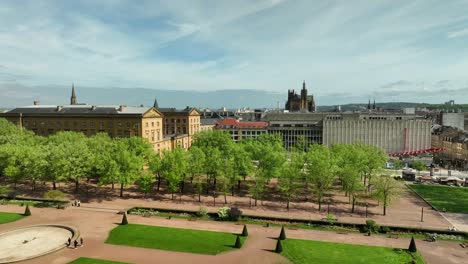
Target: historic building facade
point(300, 103)
point(163, 128)
point(242, 129)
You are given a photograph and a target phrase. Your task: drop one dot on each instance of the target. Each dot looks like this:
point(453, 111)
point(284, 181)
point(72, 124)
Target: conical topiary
point(244, 231)
point(282, 235)
point(412, 246)
point(238, 243)
point(279, 247)
point(27, 212)
point(124, 219)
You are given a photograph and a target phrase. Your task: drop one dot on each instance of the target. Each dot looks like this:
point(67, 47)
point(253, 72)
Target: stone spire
point(73, 100)
point(155, 105)
point(369, 105)
point(373, 107)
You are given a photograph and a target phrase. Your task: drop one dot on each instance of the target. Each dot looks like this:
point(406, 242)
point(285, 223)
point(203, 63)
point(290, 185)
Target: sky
point(345, 50)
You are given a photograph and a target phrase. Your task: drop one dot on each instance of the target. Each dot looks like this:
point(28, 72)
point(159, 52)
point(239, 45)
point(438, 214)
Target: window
point(119, 124)
point(75, 124)
point(128, 124)
point(135, 125)
point(157, 123)
point(152, 135)
point(184, 120)
point(83, 124)
point(111, 124)
point(152, 124)
point(101, 124)
point(146, 124)
point(91, 124)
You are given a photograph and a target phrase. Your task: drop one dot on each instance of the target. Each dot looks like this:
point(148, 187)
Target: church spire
point(155, 105)
point(369, 105)
point(303, 85)
point(373, 107)
point(73, 100)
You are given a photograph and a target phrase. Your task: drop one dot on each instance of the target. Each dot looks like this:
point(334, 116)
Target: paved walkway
point(95, 224)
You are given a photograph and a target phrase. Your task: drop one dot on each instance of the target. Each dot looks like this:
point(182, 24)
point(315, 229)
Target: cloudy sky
point(392, 50)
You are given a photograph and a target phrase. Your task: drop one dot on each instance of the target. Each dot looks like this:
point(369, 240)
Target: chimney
point(122, 108)
point(36, 102)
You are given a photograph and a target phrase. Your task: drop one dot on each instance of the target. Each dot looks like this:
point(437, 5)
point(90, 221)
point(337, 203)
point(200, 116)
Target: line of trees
point(213, 165)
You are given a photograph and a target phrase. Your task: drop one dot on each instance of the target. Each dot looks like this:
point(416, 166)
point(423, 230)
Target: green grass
point(9, 217)
point(94, 261)
point(309, 251)
point(174, 239)
point(450, 199)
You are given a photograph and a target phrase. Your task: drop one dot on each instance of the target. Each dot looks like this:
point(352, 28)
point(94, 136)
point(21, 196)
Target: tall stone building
point(164, 129)
point(300, 103)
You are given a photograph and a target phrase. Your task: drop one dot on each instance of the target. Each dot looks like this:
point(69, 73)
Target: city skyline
point(391, 50)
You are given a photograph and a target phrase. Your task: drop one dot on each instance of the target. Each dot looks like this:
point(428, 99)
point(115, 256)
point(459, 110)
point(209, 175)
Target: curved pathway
point(95, 225)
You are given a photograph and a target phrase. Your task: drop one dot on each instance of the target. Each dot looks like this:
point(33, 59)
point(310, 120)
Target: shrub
point(282, 235)
point(124, 219)
point(279, 247)
point(244, 231)
point(54, 195)
point(202, 211)
point(384, 229)
point(223, 213)
point(412, 246)
point(27, 212)
point(372, 226)
point(234, 214)
point(238, 243)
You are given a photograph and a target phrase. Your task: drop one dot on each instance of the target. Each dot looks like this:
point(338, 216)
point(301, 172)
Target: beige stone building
point(174, 128)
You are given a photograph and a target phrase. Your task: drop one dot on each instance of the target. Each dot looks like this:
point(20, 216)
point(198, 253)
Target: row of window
point(82, 124)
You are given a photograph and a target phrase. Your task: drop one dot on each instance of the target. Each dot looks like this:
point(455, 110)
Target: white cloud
point(457, 34)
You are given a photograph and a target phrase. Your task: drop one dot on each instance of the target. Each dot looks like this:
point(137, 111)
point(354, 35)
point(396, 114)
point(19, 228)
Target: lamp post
point(422, 214)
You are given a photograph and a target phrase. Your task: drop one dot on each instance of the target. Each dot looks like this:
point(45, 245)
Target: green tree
point(229, 177)
point(257, 187)
point(321, 168)
point(291, 172)
point(374, 160)
point(418, 165)
point(196, 163)
point(173, 167)
point(386, 190)
point(146, 182)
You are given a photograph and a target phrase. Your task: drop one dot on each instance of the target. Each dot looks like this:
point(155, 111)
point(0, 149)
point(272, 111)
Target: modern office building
point(242, 129)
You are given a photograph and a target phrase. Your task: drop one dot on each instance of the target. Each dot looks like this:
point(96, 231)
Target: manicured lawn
point(94, 261)
point(9, 217)
point(452, 199)
point(309, 251)
point(174, 239)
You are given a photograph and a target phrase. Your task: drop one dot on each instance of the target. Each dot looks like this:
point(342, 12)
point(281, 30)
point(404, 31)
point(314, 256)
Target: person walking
point(79, 203)
point(68, 242)
point(81, 241)
point(75, 243)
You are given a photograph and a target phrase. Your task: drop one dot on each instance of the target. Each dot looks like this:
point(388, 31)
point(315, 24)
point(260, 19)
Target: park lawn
point(452, 199)
point(310, 251)
point(94, 261)
point(9, 217)
point(173, 239)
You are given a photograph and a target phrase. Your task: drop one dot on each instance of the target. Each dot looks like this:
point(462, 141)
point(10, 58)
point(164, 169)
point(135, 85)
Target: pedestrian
point(75, 243)
point(69, 242)
point(81, 241)
point(79, 203)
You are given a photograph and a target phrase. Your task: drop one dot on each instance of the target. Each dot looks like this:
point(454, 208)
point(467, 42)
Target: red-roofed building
point(242, 129)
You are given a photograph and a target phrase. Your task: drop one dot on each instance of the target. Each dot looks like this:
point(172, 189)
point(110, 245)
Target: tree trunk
point(54, 186)
point(112, 185)
point(172, 194)
point(238, 185)
point(182, 185)
point(287, 204)
point(199, 197)
point(225, 199)
point(33, 185)
point(320, 204)
point(385, 210)
point(159, 181)
point(77, 185)
point(207, 184)
point(255, 201)
point(354, 202)
point(232, 190)
point(121, 190)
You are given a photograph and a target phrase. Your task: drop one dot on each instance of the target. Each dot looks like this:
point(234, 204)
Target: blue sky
point(346, 51)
